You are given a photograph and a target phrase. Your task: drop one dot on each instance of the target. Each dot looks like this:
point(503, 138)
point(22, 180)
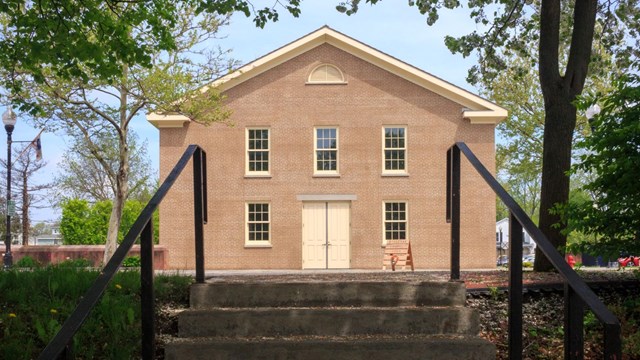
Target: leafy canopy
point(612, 156)
point(507, 28)
point(86, 39)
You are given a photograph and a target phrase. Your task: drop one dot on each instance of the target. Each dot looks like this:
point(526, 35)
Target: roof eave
point(493, 116)
point(162, 121)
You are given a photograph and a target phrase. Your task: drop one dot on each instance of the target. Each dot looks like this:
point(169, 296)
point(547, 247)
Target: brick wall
point(55, 254)
point(372, 97)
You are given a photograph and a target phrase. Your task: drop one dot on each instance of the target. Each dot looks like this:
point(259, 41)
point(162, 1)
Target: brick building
point(335, 148)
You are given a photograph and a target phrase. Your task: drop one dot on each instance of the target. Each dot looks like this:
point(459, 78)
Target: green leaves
point(612, 156)
point(87, 224)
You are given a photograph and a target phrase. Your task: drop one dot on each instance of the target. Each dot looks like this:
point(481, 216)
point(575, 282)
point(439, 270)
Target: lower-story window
point(395, 221)
point(258, 224)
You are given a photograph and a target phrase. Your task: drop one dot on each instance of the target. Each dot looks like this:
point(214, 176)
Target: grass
point(34, 303)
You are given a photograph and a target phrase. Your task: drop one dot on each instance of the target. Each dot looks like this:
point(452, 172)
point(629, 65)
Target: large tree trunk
point(560, 121)
point(559, 91)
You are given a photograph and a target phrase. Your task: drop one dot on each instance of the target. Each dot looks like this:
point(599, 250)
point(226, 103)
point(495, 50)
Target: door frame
point(326, 233)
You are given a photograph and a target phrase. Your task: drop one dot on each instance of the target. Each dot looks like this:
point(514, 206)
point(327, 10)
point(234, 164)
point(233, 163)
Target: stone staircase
point(329, 320)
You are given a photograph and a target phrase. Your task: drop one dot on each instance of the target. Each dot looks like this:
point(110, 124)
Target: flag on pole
point(36, 144)
point(38, 148)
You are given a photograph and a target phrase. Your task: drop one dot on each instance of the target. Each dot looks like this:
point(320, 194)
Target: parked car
point(628, 260)
point(503, 260)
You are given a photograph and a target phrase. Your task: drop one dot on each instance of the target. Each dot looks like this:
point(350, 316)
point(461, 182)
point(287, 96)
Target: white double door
point(325, 235)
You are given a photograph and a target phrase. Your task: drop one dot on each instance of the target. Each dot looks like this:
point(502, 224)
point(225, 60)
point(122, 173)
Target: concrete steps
point(329, 320)
point(328, 293)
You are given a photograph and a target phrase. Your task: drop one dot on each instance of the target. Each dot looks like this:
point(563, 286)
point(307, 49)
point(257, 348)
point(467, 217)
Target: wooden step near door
point(397, 254)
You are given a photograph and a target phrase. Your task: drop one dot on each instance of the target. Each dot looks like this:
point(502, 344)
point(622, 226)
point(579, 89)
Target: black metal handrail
point(59, 346)
point(577, 293)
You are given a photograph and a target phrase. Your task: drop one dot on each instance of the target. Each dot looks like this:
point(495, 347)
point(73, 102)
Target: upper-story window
point(326, 74)
point(326, 150)
point(258, 151)
point(394, 149)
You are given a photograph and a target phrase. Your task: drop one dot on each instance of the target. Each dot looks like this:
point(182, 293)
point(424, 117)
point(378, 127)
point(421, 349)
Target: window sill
point(257, 176)
point(326, 175)
point(326, 83)
point(253, 246)
point(394, 175)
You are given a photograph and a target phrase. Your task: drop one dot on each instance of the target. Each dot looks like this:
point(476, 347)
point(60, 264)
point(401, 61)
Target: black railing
point(60, 345)
point(576, 292)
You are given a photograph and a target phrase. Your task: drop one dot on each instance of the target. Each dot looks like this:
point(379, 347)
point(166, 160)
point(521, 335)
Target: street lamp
point(9, 120)
point(591, 112)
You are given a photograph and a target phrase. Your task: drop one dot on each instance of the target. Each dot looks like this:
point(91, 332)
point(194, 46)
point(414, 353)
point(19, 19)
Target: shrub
point(131, 261)
point(27, 262)
point(35, 304)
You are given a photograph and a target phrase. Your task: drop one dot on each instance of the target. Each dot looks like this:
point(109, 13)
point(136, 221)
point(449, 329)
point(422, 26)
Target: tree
point(612, 156)
point(520, 145)
point(93, 39)
point(87, 107)
point(508, 31)
point(41, 228)
point(83, 176)
point(61, 59)
point(85, 223)
point(31, 194)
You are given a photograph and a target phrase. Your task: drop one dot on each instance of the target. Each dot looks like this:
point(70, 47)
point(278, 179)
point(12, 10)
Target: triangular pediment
point(476, 109)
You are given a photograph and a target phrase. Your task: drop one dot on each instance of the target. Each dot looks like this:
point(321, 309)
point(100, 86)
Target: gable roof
point(475, 108)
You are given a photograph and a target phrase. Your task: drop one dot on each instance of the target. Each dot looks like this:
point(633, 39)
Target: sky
point(390, 26)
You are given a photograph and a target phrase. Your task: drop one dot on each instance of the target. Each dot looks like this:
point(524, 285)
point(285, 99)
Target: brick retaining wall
point(57, 253)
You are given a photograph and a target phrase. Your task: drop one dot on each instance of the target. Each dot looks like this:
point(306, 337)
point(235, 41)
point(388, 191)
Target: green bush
point(34, 305)
point(27, 262)
point(83, 223)
point(131, 261)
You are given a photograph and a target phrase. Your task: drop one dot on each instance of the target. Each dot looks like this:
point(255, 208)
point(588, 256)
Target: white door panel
point(325, 235)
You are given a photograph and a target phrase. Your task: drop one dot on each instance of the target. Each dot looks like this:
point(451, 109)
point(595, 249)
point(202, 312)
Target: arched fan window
point(326, 74)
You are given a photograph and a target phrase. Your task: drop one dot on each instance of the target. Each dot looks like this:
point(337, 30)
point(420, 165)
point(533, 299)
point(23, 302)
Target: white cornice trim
point(167, 121)
point(477, 109)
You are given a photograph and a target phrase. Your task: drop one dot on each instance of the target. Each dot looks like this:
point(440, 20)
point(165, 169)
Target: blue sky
point(391, 27)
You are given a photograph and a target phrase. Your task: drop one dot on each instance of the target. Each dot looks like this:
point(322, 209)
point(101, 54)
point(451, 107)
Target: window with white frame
point(258, 224)
point(395, 221)
point(257, 151)
point(394, 149)
point(326, 150)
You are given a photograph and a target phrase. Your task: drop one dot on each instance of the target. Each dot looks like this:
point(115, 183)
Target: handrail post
point(198, 207)
point(612, 342)
point(515, 288)
point(453, 164)
point(579, 289)
point(147, 300)
point(573, 324)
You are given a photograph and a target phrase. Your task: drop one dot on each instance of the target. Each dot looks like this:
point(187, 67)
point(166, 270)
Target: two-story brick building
point(335, 148)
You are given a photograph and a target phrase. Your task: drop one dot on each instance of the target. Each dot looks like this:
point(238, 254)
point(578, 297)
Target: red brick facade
point(281, 100)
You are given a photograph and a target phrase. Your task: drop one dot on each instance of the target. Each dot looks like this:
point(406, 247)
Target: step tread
point(391, 338)
point(406, 347)
point(327, 321)
point(327, 293)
